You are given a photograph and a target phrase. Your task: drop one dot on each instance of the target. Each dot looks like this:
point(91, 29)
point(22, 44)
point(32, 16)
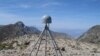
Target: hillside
point(14, 30)
point(23, 46)
point(92, 35)
point(18, 40)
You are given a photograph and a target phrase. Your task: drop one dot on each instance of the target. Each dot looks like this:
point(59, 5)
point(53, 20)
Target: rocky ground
point(22, 46)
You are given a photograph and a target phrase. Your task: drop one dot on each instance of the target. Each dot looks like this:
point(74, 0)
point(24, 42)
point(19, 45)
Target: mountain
point(17, 29)
point(92, 35)
point(24, 44)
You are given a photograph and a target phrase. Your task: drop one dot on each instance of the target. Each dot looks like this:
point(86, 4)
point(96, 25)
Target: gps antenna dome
point(47, 19)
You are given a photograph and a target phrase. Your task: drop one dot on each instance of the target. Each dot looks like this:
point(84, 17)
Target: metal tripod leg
point(38, 47)
point(53, 44)
point(54, 41)
point(46, 43)
point(45, 31)
point(40, 38)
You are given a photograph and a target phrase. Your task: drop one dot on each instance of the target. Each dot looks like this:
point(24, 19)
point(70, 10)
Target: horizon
point(74, 33)
point(67, 15)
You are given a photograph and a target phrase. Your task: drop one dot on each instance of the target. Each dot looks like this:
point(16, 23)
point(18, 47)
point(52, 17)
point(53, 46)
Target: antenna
point(48, 38)
point(47, 19)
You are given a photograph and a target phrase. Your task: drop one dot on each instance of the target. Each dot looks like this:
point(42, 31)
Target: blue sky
point(66, 14)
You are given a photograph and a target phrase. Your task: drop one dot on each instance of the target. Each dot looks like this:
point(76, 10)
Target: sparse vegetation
point(6, 46)
point(92, 35)
point(24, 44)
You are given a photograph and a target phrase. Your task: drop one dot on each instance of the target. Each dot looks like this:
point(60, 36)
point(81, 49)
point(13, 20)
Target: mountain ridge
point(19, 28)
point(92, 35)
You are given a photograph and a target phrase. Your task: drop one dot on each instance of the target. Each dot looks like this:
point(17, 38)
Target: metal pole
point(46, 42)
point(45, 32)
point(40, 41)
point(54, 41)
point(38, 47)
point(40, 38)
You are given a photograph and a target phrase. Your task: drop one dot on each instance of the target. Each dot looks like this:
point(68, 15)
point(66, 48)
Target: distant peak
point(20, 23)
point(96, 26)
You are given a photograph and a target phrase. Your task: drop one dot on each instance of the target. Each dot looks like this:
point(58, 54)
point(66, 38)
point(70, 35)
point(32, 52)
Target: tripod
point(47, 34)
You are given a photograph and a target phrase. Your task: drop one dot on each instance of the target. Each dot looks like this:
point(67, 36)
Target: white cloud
point(25, 6)
point(51, 4)
point(6, 15)
point(7, 18)
point(22, 5)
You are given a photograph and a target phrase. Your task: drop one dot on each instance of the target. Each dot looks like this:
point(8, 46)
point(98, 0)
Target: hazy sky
point(66, 14)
